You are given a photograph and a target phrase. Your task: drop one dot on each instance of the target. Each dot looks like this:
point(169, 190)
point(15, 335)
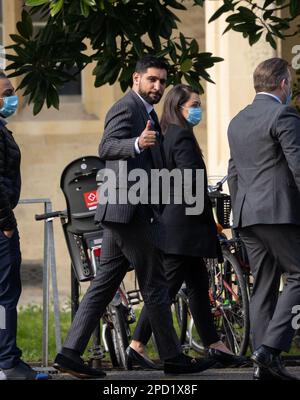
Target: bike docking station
point(83, 239)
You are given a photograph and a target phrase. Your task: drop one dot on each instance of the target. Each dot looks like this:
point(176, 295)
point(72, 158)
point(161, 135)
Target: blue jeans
point(10, 291)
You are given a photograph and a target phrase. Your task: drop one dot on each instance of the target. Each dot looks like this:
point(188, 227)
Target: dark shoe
point(76, 368)
point(263, 374)
point(23, 372)
point(226, 359)
point(133, 357)
point(183, 364)
point(264, 358)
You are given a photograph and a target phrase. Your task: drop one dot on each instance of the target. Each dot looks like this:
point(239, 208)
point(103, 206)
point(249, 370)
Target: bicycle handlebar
point(53, 214)
point(219, 185)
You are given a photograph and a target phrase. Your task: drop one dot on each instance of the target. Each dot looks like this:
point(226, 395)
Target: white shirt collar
point(272, 95)
point(148, 106)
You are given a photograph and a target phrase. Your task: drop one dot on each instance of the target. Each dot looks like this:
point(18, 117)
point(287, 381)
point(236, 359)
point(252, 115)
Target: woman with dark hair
point(188, 238)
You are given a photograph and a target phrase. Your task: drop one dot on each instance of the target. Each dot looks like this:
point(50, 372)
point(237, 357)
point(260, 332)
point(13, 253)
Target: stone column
point(234, 83)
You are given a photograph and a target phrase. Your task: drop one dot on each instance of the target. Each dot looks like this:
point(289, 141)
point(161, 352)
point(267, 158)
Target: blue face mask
point(194, 115)
point(10, 105)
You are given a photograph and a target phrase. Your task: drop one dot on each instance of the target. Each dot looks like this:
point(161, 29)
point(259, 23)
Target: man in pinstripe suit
point(131, 231)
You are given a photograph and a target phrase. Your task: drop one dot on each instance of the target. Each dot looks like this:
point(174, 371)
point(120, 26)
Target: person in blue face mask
point(188, 238)
point(11, 365)
point(10, 105)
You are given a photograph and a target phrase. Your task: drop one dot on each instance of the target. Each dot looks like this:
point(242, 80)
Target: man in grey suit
point(264, 182)
point(131, 231)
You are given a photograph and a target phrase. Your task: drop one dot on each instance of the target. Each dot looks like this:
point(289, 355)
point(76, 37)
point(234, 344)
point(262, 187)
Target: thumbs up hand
point(147, 137)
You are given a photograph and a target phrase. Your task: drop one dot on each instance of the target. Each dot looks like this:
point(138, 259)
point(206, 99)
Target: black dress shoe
point(226, 359)
point(133, 357)
point(263, 374)
point(76, 368)
point(265, 359)
point(183, 364)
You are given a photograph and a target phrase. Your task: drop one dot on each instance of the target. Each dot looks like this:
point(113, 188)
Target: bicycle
point(119, 314)
point(84, 240)
point(228, 288)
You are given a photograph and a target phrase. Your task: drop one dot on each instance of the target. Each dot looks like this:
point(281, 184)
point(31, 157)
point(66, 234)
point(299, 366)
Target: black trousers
point(193, 271)
point(125, 244)
point(10, 290)
point(273, 250)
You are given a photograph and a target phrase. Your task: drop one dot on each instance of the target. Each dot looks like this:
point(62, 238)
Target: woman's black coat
point(191, 235)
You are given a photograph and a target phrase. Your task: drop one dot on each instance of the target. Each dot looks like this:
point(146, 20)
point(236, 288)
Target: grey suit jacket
point(264, 168)
point(124, 122)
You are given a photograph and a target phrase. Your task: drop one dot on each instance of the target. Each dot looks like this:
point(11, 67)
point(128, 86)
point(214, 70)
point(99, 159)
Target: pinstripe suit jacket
point(124, 122)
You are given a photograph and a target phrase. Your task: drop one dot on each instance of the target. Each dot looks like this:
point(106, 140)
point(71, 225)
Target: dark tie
point(154, 117)
point(159, 135)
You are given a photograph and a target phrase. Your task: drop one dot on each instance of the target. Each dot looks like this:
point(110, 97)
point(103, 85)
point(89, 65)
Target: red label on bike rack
point(90, 199)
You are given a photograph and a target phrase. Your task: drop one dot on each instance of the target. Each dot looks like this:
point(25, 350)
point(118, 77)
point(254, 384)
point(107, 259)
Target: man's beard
point(148, 98)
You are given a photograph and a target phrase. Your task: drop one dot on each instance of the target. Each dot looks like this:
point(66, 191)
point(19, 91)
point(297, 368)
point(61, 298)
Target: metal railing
point(49, 268)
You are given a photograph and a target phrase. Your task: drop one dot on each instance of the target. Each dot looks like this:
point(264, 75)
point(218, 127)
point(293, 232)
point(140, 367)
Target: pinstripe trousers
point(125, 244)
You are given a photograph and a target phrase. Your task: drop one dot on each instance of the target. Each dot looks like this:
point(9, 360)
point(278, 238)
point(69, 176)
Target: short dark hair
point(150, 62)
point(268, 74)
point(175, 98)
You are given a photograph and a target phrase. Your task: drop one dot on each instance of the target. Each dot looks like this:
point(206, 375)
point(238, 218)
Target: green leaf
point(294, 8)
point(25, 27)
point(38, 105)
point(18, 39)
point(186, 65)
point(270, 39)
point(90, 3)
point(246, 13)
point(55, 7)
point(254, 38)
point(194, 47)
point(267, 14)
point(218, 13)
point(199, 2)
point(52, 97)
point(84, 8)
point(182, 41)
point(35, 3)
point(193, 82)
point(267, 3)
point(175, 4)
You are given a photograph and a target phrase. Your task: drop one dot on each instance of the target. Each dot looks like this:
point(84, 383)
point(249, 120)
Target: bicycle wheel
point(231, 303)
point(188, 335)
point(120, 333)
point(181, 313)
point(110, 345)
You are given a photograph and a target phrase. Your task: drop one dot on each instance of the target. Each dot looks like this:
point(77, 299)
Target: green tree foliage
point(121, 31)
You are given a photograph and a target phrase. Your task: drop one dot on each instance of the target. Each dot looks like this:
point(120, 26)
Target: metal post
point(48, 264)
point(45, 339)
point(54, 284)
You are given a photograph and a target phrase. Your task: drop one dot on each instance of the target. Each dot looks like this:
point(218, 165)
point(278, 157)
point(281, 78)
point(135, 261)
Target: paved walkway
point(210, 374)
